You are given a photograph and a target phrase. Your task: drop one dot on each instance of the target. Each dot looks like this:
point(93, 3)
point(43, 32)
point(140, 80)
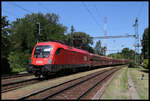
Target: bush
point(132, 64)
point(18, 61)
point(145, 64)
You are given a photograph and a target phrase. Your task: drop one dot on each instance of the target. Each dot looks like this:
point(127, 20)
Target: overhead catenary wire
point(97, 10)
point(21, 8)
point(91, 14)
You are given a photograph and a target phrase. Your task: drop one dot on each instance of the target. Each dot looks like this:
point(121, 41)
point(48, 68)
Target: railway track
point(21, 81)
point(73, 89)
point(18, 84)
point(15, 76)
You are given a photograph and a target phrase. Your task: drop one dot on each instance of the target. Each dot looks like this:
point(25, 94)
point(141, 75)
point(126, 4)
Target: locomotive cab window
point(42, 51)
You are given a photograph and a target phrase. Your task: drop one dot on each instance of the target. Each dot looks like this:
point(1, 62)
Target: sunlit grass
point(141, 86)
point(124, 80)
point(117, 89)
point(18, 70)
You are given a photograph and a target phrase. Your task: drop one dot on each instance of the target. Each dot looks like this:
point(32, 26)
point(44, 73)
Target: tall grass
point(124, 80)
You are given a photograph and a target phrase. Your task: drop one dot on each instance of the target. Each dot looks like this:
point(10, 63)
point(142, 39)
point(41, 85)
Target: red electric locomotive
point(48, 57)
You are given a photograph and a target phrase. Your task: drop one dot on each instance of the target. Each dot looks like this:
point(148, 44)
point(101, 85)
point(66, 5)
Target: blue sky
point(89, 17)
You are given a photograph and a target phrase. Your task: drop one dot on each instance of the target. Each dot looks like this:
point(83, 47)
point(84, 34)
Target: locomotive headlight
point(49, 61)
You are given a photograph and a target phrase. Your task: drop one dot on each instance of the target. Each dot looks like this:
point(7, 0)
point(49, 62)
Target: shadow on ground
point(145, 70)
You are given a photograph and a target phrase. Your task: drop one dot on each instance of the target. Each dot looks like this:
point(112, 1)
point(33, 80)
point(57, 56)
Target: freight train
point(51, 57)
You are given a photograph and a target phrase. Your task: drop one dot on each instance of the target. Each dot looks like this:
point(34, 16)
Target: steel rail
point(34, 93)
point(15, 85)
point(88, 90)
point(15, 76)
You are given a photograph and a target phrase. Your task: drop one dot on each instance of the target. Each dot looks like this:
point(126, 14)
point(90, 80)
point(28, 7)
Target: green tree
point(72, 29)
point(119, 56)
point(130, 54)
point(69, 40)
point(126, 53)
point(5, 44)
point(80, 40)
point(145, 44)
point(5, 37)
point(23, 36)
point(112, 55)
point(98, 48)
point(145, 47)
point(115, 55)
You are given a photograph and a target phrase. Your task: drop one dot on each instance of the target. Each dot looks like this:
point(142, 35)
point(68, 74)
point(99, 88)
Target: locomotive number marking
point(39, 62)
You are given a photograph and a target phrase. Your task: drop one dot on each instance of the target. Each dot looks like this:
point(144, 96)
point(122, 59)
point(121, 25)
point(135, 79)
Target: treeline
point(126, 53)
point(145, 48)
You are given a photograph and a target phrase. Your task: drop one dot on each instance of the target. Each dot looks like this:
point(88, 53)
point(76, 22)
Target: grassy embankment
point(19, 70)
point(141, 86)
point(118, 88)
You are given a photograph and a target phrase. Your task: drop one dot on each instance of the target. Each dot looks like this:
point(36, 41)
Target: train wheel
point(44, 76)
point(39, 76)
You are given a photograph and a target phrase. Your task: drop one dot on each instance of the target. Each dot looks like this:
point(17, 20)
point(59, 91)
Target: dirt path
point(132, 90)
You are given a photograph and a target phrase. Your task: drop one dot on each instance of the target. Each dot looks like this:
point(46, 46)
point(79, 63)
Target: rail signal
point(37, 31)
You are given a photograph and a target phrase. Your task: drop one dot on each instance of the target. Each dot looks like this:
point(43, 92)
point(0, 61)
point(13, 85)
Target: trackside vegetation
point(145, 64)
point(141, 84)
point(19, 38)
point(119, 88)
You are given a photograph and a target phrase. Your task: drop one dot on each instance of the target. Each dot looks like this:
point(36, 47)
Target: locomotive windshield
point(42, 51)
